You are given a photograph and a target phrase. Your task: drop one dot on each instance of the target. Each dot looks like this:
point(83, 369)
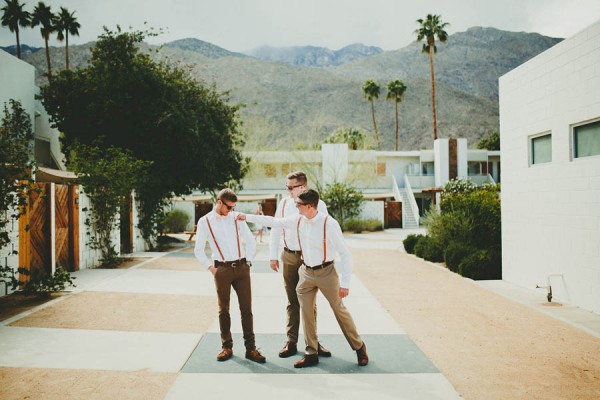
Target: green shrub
point(455, 253)
point(429, 249)
point(176, 221)
point(481, 265)
point(410, 241)
point(359, 225)
point(41, 284)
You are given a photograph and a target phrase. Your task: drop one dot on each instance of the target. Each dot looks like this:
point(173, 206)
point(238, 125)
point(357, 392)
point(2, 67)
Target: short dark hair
point(228, 195)
point(309, 196)
point(299, 176)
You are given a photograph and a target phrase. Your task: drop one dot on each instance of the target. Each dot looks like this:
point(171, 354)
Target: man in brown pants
point(320, 238)
point(232, 262)
point(292, 260)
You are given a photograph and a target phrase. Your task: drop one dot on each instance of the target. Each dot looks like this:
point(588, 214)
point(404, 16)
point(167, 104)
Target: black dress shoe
point(361, 354)
point(308, 360)
point(323, 352)
point(290, 349)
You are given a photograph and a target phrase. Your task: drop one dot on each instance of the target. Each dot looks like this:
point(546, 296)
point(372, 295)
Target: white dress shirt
point(311, 238)
point(286, 208)
point(227, 238)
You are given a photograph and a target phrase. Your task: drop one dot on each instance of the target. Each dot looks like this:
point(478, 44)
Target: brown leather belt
point(232, 264)
point(324, 265)
point(297, 252)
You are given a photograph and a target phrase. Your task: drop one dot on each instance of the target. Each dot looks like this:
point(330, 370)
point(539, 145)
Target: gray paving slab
point(94, 349)
point(388, 354)
point(428, 386)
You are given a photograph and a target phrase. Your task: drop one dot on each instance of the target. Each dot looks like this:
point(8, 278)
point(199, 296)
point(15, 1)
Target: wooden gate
point(393, 214)
point(35, 229)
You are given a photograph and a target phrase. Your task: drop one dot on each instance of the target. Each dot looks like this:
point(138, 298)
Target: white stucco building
point(550, 136)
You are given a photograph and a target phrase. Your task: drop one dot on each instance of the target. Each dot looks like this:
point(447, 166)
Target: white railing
point(395, 190)
point(491, 179)
point(411, 200)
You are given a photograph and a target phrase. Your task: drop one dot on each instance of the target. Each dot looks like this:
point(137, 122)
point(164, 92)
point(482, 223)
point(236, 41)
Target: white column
point(461, 158)
point(441, 158)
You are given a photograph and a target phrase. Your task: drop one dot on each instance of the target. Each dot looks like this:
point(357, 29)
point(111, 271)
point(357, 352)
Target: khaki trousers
point(327, 281)
point(239, 279)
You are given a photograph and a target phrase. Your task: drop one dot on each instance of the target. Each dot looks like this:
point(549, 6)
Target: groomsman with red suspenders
point(292, 260)
point(320, 237)
point(232, 260)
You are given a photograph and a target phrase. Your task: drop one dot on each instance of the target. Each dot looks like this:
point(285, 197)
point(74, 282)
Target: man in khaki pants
point(320, 237)
point(292, 261)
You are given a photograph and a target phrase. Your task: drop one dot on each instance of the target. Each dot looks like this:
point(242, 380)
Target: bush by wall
point(429, 249)
point(359, 225)
point(176, 221)
point(455, 252)
point(482, 264)
point(410, 241)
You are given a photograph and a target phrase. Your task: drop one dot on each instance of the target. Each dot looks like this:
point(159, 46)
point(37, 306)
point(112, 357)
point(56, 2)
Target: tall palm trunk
point(433, 92)
point(48, 58)
point(67, 47)
point(375, 125)
point(396, 102)
point(18, 43)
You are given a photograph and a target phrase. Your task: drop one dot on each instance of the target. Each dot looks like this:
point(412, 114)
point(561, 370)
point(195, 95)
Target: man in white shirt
point(292, 260)
point(320, 238)
point(233, 248)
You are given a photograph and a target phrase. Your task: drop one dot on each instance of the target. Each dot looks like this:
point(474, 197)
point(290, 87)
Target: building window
point(380, 169)
point(270, 170)
point(586, 140)
point(541, 149)
point(427, 168)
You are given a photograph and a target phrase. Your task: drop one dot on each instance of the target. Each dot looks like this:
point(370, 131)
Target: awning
point(43, 174)
point(241, 197)
point(373, 196)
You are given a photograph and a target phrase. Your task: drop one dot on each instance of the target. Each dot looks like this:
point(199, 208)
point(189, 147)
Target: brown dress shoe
point(254, 355)
point(363, 357)
point(323, 352)
point(225, 354)
point(307, 361)
point(290, 349)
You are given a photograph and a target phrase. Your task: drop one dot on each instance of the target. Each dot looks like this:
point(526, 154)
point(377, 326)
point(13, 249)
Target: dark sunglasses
point(227, 205)
point(298, 204)
point(292, 187)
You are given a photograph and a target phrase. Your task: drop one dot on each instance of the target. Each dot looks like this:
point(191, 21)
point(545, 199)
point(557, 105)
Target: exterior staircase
point(409, 220)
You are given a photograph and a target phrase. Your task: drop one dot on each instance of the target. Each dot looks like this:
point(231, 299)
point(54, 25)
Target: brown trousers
point(239, 279)
point(327, 281)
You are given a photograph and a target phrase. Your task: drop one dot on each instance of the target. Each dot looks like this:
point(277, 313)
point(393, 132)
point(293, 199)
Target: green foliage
point(456, 252)
point(16, 165)
point(42, 284)
point(371, 91)
point(410, 241)
point(359, 225)
point(156, 111)
point(491, 142)
point(482, 264)
point(468, 229)
point(354, 137)
point(108, 177)
point(343, 201)
point(176, 220)
point(429, 249)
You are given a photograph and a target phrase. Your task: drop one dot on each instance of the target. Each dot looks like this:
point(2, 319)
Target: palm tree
point(66, 24)
point(42, 15)
point(431, 27)
point(396, 91)
point(371, 90)
point(14, 16)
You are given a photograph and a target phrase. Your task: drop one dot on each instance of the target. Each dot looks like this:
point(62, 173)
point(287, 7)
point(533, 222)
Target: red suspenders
point(324, 239)
point(237, 233)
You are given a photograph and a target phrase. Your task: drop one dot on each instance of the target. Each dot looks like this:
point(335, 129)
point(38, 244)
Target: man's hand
point(241, 217)
point(212, 270)
point(274, 265)
point(344, 292)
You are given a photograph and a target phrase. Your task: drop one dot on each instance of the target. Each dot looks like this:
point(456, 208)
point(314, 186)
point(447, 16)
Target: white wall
point(17, 82)
point(335, 162)
point(442, 161)
point(551, 212)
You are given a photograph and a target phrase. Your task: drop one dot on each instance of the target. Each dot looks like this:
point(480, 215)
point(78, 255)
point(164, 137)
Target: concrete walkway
point(151, 332)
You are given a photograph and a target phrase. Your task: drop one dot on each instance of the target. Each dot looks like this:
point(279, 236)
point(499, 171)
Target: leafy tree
point(108, 176)
point(430, 27)
point(396, 91)
point(14, 16)
point(354, 137)
point(343, 201)
point(158, 112)
point(42, 15)
point(16, 166)
point(491, 142)
point(371, 92)
point(66, 24)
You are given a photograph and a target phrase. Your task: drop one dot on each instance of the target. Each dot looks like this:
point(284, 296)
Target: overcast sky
point(240, 25)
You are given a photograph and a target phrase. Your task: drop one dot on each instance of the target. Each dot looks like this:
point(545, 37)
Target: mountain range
point(300, 95)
